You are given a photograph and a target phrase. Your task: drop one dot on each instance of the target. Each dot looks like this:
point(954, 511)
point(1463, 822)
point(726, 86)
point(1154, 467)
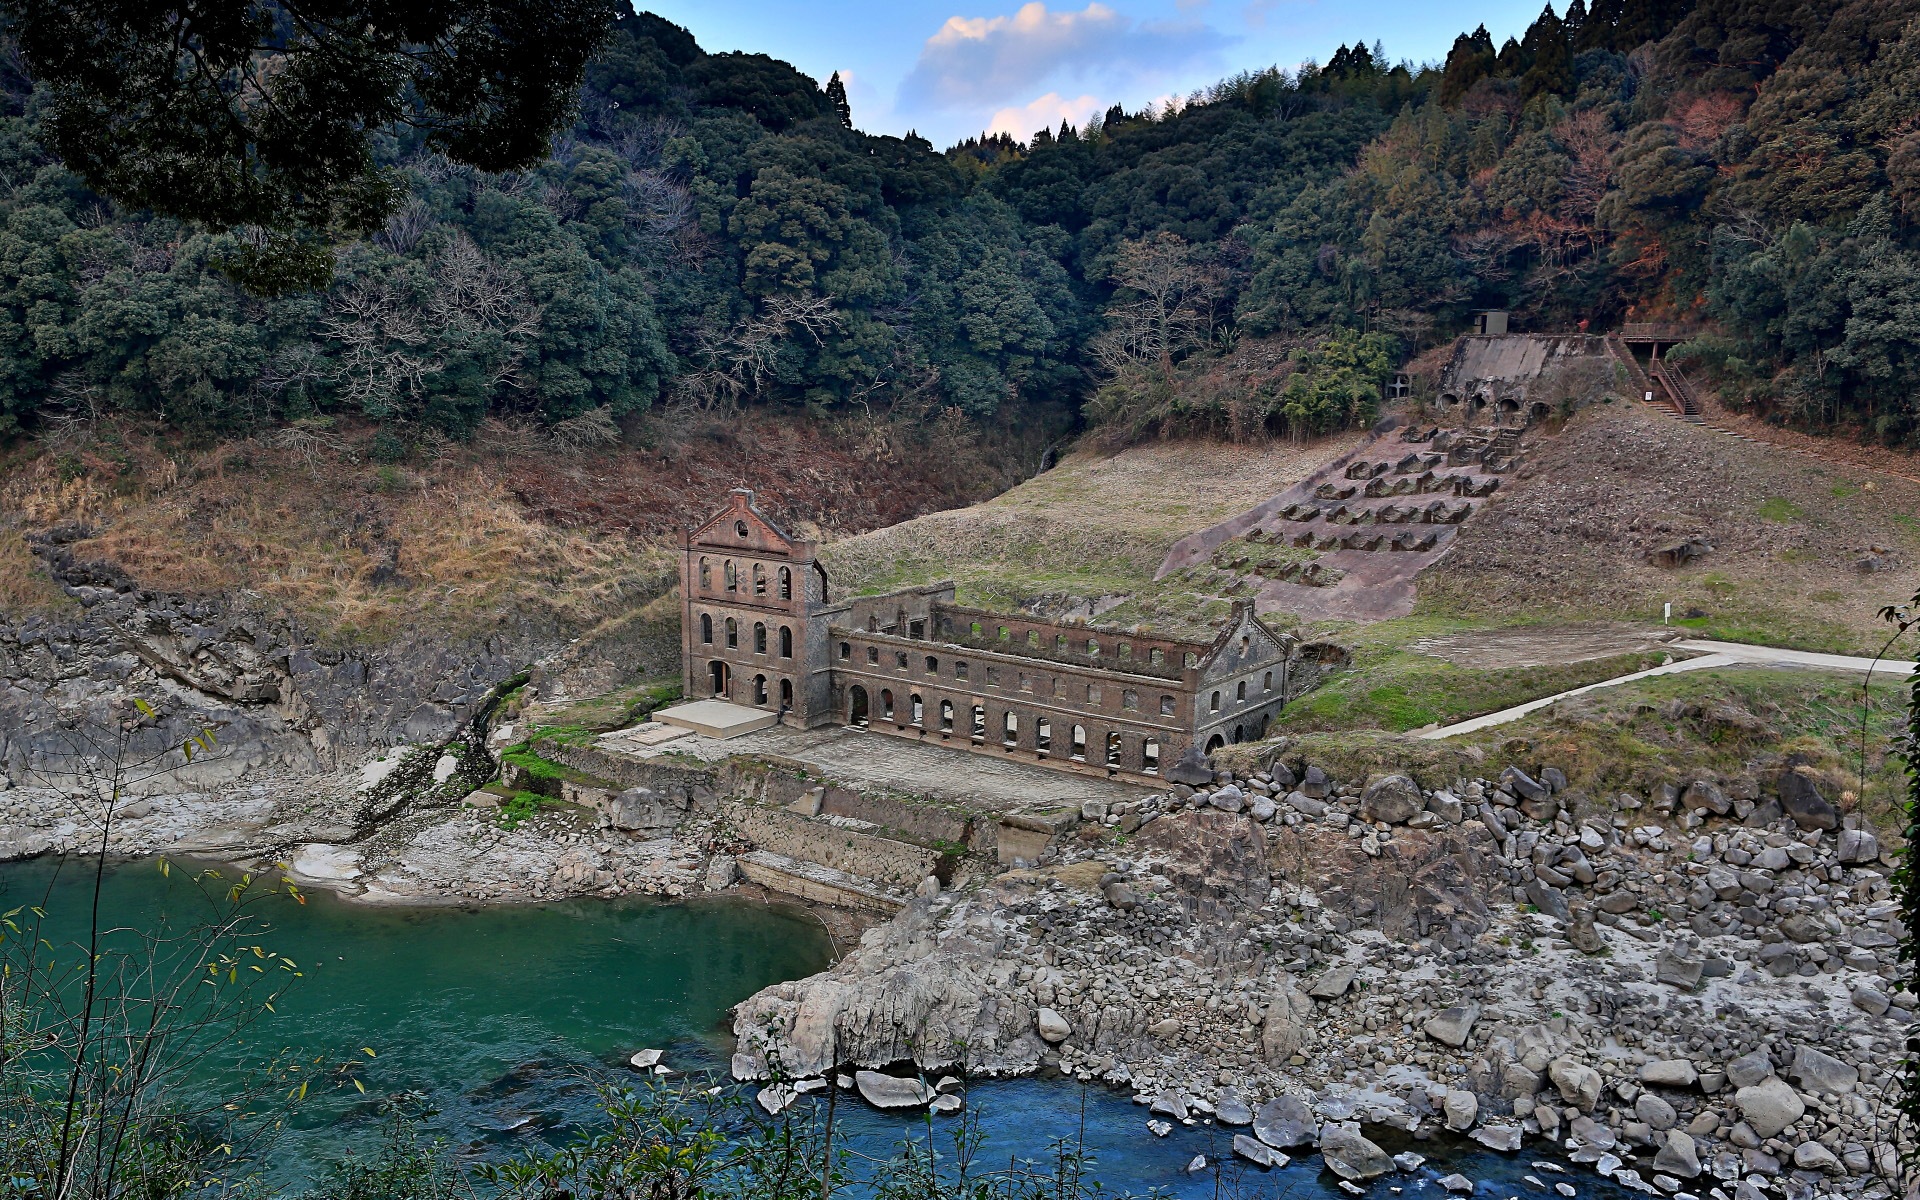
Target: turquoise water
point(498, 1019)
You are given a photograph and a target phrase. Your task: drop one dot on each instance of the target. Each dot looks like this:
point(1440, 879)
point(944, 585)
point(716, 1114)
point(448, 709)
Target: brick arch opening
point(719, 678)
point(857, 706)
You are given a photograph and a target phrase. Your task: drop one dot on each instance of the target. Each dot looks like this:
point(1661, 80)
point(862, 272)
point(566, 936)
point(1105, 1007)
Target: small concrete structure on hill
point(760, 630)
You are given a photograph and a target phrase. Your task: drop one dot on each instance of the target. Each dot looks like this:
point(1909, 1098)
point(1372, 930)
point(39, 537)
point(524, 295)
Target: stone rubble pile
point(1691, 991)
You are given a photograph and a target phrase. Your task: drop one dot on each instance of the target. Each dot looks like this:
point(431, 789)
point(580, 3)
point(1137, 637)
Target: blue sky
point(950, 68)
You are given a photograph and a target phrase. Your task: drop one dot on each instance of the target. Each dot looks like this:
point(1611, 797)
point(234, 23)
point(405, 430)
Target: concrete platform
point(716, 718)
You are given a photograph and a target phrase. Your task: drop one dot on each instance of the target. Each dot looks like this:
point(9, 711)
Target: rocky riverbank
point(1693, 991)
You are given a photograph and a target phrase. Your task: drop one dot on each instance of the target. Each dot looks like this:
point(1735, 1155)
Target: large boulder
point(1678, 1155)
point(1051, 1026)
point(1192, 769)
point(1390, 798)
point(1800, 799)
point(1857, 846)
point(1285, 1123)
point(1818, 1071)
point(891, 1091)
point(1462, 1109)
point(1578, 1083)
point(1350, 1155)
point(1333, 982)
point(1454, 1025)
point(1769, 1106)
point(1289, 1016)
point(1749, 1069)
point(1669, 1072)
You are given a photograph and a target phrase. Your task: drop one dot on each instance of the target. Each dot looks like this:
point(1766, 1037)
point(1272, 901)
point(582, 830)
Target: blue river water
point(496, 1020)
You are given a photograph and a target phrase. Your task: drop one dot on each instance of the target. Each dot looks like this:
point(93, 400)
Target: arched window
point(1043, 735)
point(1124, 650)
point(846, 650)
point(1059, 643)
point(960, 670)
point(786, 584)
point(1166, 706)
point(759, 637)
point(1113, 749)
point(731, 576)
point(1010, 735)
point(1214, 704)
point(1078, 751)
point(1189, 659)
point(946, 716)
point(1129, 699)
point(1150, 757)
point(740, 529)
point(933, 665)
point(733, 634)
point(979, 730)
point(886, 704)
point(1033, 638)
point(786, 642)
point(706, 628)
point(1243, 691)
point(1157, 656)
point(786, 694)
point(706, 575)
point(1266, 683)
point(759, 580)
point(759, 689)
point(916, 711)
point(1093, 648)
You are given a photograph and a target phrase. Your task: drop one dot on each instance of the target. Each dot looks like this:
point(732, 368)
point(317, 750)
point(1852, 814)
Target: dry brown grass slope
point(1570, 540)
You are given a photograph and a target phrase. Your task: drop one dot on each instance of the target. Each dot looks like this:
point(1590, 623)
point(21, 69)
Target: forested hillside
point(713, 232)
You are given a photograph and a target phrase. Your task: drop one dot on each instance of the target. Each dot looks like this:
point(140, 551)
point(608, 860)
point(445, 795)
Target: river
point(498, 1016)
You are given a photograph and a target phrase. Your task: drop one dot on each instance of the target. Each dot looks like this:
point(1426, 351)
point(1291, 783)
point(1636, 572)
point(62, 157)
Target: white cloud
point(1044, 113)
point(977, 61)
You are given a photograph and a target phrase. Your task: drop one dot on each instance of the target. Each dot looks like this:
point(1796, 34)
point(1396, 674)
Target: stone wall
point(900, 864)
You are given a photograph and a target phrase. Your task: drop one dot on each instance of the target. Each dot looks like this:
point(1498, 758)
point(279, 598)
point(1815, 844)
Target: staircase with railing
point(1680, 394)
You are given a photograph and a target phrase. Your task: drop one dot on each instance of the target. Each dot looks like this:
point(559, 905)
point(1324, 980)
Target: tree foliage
point(264, 113)
point(713, 232)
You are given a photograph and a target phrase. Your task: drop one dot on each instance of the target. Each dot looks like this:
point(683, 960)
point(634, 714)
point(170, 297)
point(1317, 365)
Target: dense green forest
point(713, 232)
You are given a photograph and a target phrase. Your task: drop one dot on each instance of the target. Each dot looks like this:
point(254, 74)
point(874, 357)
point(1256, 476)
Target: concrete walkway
point(1712, 654)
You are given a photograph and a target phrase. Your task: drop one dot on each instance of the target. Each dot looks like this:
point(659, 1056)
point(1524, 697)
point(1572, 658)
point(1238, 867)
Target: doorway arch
point(719, 677)
point(857, 706)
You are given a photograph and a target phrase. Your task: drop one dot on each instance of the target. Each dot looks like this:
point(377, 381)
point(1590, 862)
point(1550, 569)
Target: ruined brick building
point(760, 628)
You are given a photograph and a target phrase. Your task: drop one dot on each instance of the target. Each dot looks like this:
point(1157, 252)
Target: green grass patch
point(1397, 690)
point(519, 807)
point(1777, 508)
point(579, 722)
